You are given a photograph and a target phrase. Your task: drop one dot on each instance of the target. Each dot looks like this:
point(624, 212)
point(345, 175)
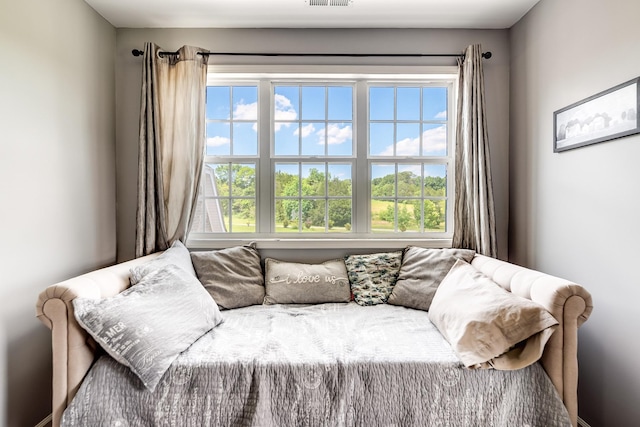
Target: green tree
point(433, 214)
point(404, 218)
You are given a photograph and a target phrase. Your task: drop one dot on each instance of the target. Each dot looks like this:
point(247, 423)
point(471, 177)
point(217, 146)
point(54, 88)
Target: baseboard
point(582, 423)
point(45, 422)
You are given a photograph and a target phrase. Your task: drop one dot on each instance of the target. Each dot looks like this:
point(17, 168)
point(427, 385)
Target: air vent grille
point(329, 2)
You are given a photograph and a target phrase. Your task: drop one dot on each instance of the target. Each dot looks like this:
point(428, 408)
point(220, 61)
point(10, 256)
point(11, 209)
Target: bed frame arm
point(568, 302)
point(73, 349)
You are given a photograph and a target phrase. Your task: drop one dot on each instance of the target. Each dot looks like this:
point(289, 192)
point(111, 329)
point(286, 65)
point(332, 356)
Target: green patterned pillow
point(373, 276)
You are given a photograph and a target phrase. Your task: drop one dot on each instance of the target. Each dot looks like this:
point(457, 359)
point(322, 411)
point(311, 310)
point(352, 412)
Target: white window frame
point(362, 76)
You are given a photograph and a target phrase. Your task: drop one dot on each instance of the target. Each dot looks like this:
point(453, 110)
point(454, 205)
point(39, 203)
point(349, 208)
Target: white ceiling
point(484, 14)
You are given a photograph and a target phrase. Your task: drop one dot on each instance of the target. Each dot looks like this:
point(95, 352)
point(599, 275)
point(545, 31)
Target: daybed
point(337, 363)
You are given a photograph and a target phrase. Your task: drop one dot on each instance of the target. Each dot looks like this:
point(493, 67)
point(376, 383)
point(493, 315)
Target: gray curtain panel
point(171, 145)
point(474, 212)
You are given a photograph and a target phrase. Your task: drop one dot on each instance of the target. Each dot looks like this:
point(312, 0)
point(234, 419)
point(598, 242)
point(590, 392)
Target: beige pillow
point(488, 326)
point(295, 283)
point(421, 272)
point(232, 276)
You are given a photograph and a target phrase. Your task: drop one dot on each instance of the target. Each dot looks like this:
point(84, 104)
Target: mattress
point(319, 365)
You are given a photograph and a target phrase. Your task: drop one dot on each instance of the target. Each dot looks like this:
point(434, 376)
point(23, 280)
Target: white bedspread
point(320, 365)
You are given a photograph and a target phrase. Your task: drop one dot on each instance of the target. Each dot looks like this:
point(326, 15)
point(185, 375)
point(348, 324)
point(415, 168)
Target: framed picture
point(604, 116)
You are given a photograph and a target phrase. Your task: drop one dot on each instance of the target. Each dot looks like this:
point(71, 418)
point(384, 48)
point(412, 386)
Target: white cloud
point(442, 115)
point(246, 111)
point(284, 110)
point(434, 140)
point(305, 130)
point(406, 147)
point(218, 141)
point(335, 134)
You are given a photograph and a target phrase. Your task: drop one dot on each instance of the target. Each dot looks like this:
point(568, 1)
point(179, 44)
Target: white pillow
point(488, 326)
point(149, 324)
point(177, 254)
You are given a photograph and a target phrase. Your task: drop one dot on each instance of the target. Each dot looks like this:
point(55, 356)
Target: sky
point(318, 121)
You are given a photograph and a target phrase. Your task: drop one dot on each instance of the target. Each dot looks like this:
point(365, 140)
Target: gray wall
point(575, 214)
point(128, 74)
point(57, 179)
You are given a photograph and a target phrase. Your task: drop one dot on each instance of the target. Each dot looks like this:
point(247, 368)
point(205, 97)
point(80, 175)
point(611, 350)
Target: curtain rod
point(486, 55)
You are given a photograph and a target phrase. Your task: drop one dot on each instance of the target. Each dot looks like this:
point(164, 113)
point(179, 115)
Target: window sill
point(321, 243)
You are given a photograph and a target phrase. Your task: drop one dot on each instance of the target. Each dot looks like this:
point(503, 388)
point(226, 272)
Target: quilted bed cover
point(319, 365)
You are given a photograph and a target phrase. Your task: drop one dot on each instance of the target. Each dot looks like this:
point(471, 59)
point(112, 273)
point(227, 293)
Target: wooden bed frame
point(74, 351)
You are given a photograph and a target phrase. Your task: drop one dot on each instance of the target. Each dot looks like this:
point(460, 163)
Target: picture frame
point(610, 114)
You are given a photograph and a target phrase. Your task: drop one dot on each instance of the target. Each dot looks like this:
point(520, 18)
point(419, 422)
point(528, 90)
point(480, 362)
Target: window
point(327, 156)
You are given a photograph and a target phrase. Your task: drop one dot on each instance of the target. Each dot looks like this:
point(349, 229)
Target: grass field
point(247, 225)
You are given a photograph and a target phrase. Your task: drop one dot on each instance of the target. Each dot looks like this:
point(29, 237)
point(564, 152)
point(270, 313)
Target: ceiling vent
point(329, 2)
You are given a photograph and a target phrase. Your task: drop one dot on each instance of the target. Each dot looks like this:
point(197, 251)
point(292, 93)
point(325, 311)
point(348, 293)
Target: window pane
point(245, 139)
point(381, 139)
point(286, 103)
point(339, 216)
point(313, 179)
point(383, 213)
point(408, 137)
point(245, 103)
point(218, 139)
point(339, 139)
point(409, 180)
point(313, 105)
point(218, 102)
point(339, 180)
point(408, 103)
point(221, 181)
point(383, 180)
point(313, 215)
point(291, 214)
point(286, 140)
point(287, 179)
point(406, 216)
point(243, 180)
point(340, 103)
point(244, 216)
point(381, 103)
point(313, 140)
point(434, 103)
point(434, 215)
point(435, 180)
point(434, 140)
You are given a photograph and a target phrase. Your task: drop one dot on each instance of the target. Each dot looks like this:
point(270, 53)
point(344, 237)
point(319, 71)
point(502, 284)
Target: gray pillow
point(149, 324)
point(294, 283)
point(488, 326)
point(421, 272)
point(177, 255)
point(233, 276)
point(373, 276)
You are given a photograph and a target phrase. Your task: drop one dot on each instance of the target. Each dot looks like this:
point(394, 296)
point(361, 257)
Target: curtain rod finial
point(487, 55)
point(137, 52)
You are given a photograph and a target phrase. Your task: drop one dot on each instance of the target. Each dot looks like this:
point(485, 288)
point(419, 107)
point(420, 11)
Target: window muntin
point(379, 143)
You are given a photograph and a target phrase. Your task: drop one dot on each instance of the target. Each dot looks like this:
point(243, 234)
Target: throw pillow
point(488, 326)
point(373, 276)
point(149, 324)
point(421, 272)
point(294, 283)
point(177, 255)
point(232, 276)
